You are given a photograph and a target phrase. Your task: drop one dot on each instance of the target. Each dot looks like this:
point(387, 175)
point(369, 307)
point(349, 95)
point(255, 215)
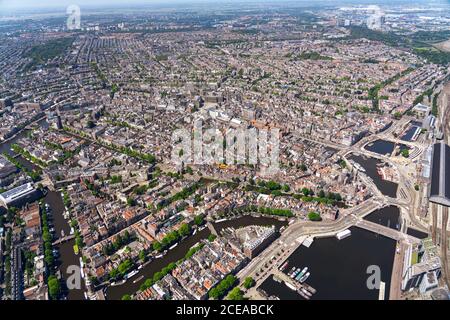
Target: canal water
point(387, 188)
point(381, 147)
point(67, 256)
point(129, 287)
point(339, 267)
point(65, 249)
point(387, 216)
point(416, 233)
point(409, 134)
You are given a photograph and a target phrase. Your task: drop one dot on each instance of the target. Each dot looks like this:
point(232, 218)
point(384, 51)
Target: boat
point(138, 279)
point(295, 273)
point(284, 266)
point(159, 256)
point(359, 167)
point(173, 246)
point(275, 278)
point(306, 292)
point(132, 273)
point(302, 294)
point(306, 276)
point(301, 273)
point(290, 286)
point(309, 288)
point(195, 231)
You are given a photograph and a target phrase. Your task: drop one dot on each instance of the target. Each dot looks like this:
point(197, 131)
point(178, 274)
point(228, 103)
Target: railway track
point(444, 245)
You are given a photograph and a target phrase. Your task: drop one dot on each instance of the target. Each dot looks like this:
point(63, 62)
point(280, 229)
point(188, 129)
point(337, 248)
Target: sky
point(31, 4)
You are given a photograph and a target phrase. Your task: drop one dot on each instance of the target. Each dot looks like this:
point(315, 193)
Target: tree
point(184, 230)
point(126, 297)
point(314, 216)
point(54, 287)
point(236, 294)
point(249, 282)
point(198, 220)
point(142, 256)
point(157, 246)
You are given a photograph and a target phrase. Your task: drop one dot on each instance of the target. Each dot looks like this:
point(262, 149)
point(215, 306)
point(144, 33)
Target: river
point(116, 292)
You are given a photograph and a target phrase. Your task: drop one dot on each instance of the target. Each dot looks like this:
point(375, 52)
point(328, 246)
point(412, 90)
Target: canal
point(338, 268)
point(133, 284)
point(67, 256)
point(387, 216)
point(381, 147)
point(387, 188)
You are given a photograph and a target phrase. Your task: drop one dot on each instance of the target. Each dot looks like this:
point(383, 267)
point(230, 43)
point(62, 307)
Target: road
point(291, 238)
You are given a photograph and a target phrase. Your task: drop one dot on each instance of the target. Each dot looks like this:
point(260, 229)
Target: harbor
point(338, 268)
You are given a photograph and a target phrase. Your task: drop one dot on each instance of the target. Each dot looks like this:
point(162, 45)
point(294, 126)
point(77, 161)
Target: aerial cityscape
point(225, 150)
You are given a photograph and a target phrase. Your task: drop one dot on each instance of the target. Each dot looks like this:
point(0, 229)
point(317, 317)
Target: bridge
point(385, 231)
point(212, 229)
point(63, 239)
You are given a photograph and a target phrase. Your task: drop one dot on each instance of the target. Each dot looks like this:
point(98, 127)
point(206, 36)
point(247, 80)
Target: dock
point(295, 285)
point(308, 242)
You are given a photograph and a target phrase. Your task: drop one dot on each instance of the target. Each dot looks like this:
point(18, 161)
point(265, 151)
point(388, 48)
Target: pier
point(294, 284)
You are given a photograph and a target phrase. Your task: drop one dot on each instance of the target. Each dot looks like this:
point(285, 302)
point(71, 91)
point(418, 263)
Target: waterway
point(65, 249)
point(339, 267)
point(67, 256)
point(409, 134)
point(387, 188)
point(416, 233)
point(381, 147)
point(387, 216)
point(116, 292)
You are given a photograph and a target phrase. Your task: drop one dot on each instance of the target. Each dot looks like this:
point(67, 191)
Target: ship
point(306, 292)
point(301, 273)
point(302, 294)
point(295, 273)
point(132, 273)
point(275, 278)
point(359, 167)
point(284, 266)
point(290, 286)
point(292, 271)
point(138, 279)
point(303, 278)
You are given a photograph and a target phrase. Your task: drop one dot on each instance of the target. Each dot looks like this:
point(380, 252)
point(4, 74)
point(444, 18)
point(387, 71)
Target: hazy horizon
point(11, 5)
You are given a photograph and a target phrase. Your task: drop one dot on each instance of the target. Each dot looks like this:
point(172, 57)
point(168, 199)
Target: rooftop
point(440, 177)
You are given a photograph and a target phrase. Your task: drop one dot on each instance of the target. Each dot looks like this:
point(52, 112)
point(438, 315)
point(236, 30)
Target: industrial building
point(440, 175)
point(15, 196)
